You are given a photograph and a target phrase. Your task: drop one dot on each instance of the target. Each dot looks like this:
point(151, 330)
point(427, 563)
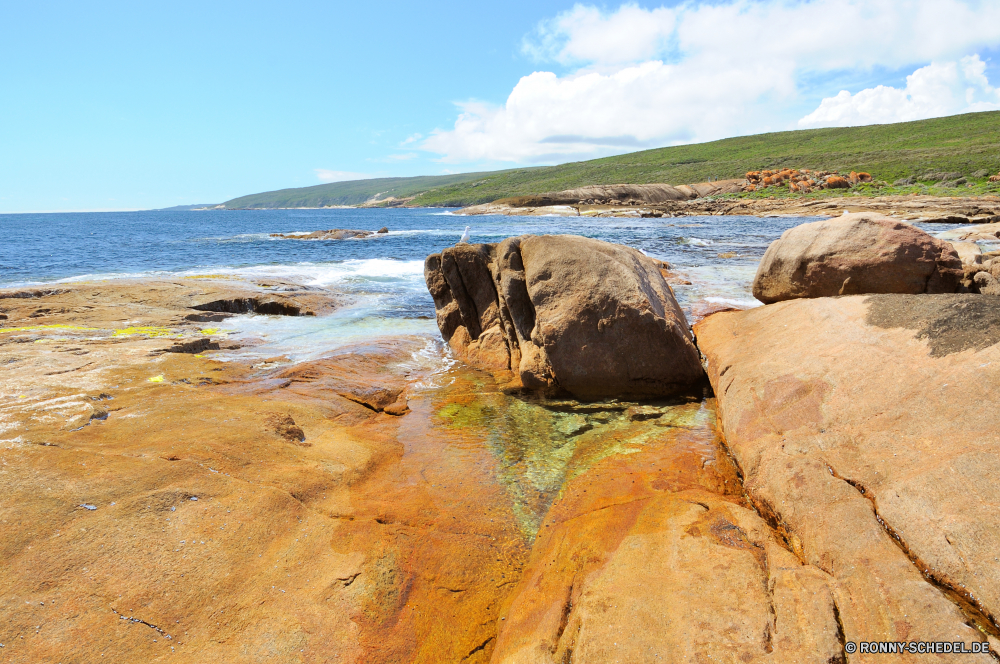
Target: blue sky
point(134, 105)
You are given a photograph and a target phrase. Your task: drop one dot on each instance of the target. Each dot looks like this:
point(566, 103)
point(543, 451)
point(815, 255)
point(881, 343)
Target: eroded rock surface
point(654, 556)
point(863, 430)
point(564, 312)
point(167, 506)
point(852, 255)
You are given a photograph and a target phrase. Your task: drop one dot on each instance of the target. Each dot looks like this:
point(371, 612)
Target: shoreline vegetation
point(947, 158)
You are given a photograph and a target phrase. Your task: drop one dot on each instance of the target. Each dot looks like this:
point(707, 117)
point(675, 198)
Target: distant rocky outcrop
point(332, 234)
point(855, 254)
point(611, 194)
point(566, 313)
point(803, 180)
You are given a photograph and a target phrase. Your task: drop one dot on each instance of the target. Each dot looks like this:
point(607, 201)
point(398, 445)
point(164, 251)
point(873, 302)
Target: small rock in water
point(88, 507)
point(641, 413)
point(572, 424)
point(383, 230)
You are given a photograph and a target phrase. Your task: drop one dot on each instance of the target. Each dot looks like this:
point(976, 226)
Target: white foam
point(309, 337)
point(327, 274)
point(733, 301)
point(310, 274)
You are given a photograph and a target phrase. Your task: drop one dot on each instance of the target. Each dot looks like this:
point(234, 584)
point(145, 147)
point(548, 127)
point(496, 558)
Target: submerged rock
point(855, 254)
point(871, 441)
point(564, 312)
point(332, 234)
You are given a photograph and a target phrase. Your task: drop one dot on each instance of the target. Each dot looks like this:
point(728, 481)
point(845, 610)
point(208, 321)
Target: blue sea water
point(382, 275)
point(50, 247)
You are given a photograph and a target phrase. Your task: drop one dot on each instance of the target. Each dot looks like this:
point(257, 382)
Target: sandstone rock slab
point(863, 429)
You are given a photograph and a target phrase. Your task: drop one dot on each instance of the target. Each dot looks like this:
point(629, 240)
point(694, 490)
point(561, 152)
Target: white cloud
point(933, 91)
point(403, 157)
point(704, 71)
point(325, 175)
point(586, 34)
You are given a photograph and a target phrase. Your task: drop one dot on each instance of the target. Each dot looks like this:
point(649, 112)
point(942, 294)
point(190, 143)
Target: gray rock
point(987, 283)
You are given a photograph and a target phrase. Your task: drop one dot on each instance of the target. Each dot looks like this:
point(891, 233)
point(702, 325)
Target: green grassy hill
point(962, 143)
point(354, 192)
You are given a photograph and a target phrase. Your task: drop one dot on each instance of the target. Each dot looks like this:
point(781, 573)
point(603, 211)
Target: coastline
point(931, 209)
point(283, 493)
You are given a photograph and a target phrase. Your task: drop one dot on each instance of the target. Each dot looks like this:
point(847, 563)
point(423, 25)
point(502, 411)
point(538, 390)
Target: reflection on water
point(540, 444)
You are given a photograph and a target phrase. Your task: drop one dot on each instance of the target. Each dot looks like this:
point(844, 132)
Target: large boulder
point(564, 312)
point(855, 254)
point(865, 430)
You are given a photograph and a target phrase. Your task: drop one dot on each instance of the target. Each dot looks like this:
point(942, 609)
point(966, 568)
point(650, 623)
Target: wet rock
point(194, 346)
point(855, 254)
point(397, 408)
point(968, 252)
point(988, 232)
point(862, 429)
point(382, 230)
point(641, 413)
point(332, 234)
point(566, 313)
point(649, 557)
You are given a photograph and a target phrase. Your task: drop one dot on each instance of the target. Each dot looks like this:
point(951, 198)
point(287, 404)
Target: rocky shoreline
point(951, 210)
point(166, 498)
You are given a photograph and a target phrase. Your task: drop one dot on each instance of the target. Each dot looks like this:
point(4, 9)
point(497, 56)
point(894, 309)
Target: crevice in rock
point(762, 507)
point(479, 648)
point(977, 616)
point(349, 579)
point(65, 371)
point(24, 295)
point(841, 639)
point(567, 609)
point(253, 305)
point(142, 622)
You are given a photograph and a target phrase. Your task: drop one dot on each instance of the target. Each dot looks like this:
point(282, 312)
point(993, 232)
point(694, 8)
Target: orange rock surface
point(860, 424)
point(164, 506)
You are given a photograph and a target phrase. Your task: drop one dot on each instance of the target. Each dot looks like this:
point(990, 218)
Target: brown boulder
point(564, 312)
point(852, 255)
point(837, 182)
point(871, 441)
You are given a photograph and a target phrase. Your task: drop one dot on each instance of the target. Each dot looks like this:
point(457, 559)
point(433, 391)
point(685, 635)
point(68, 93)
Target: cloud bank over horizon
point(637, 78)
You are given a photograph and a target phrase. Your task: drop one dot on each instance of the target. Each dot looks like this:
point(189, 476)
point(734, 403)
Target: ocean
point(383, 275)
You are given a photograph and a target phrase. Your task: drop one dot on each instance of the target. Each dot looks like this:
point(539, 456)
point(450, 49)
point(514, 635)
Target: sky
point(107, 106)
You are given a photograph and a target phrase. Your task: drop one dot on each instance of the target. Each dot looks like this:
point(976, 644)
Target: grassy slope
point(961, 143)
point(354, 192)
